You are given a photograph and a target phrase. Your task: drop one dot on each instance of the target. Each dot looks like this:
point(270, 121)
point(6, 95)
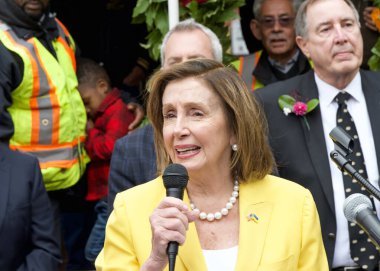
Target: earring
point(234, 147)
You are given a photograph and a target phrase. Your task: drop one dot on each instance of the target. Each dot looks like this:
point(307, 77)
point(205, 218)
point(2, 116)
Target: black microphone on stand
point(343, 146)
point(358, 208)
point(175, 180)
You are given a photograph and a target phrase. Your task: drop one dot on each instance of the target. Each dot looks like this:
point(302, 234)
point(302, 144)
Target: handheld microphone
point(358, 208)
point(175, 180)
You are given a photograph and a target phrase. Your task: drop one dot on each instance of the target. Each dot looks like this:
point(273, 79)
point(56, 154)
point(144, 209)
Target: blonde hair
point(253, 159)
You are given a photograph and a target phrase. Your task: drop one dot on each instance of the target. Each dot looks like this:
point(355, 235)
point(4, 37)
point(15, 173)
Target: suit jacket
point(286, 236)
point(301, 154)
point(133, 162)
point(26, 218)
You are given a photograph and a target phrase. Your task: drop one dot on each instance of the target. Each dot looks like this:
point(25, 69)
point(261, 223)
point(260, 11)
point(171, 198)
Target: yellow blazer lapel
point(190, 253)
point(253, 230)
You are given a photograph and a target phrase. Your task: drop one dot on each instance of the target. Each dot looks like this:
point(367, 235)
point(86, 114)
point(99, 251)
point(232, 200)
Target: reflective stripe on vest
point(247, 64)
point(62, 156)
point(47, 111)
point(63, 33)
point(42, 104)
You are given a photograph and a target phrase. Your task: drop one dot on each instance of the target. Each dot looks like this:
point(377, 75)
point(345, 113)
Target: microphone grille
point(353, 204)
point(175, 176)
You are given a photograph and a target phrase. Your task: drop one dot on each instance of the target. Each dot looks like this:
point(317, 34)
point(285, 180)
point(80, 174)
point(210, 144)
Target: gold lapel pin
point(253, 217)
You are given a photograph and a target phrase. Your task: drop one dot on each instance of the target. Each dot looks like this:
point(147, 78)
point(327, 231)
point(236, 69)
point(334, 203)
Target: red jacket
point(111, 122)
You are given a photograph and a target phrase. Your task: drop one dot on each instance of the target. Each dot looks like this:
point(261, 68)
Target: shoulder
point(137, 137)
point(370, 75)
point(270, 91)
point(16, 157)
point(21, 167)
point(132, 197)
point(117, 106)
point(140, 133)
point(277, 189)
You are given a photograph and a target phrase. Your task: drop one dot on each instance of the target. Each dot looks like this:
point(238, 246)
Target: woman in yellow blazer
point(234, 215)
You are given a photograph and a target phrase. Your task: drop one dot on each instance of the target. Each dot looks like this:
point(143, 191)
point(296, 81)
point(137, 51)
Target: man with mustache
point(280, 58)
point(328, 32)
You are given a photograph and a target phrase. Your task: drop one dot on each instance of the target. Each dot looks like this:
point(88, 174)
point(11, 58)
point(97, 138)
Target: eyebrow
point(346, 19)
point(179, 58)
point(187, 105)
point(323, 24)
point(279, 15)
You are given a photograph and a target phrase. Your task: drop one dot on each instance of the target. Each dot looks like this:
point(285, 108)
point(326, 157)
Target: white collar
point(327, 92)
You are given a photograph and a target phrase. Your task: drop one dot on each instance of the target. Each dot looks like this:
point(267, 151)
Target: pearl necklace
point(224, 211)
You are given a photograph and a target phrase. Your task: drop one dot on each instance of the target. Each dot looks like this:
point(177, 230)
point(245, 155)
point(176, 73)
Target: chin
point(189, 165)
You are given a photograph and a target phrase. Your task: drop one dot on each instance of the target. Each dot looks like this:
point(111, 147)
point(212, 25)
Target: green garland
point(212, 13)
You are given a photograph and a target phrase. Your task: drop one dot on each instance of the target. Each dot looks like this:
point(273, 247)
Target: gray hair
point(300, 22)
point(259, 3)
point(191, 25)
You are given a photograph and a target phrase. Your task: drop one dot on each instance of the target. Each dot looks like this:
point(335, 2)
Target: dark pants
point(74, 219)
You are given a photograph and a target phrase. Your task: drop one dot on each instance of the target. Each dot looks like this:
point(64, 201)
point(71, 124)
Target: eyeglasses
point(269, 22)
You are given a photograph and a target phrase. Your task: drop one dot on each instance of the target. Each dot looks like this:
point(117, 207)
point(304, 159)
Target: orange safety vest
point(48, 114)
point(247, 64)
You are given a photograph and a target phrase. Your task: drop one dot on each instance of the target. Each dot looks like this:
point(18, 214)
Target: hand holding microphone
point(170, 220)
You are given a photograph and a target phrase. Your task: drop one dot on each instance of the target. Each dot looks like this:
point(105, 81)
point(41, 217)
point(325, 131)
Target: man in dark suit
point(328, 33)
point(27, 241)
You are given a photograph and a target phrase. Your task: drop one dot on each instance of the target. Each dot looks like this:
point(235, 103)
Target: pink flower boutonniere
point(298, 106)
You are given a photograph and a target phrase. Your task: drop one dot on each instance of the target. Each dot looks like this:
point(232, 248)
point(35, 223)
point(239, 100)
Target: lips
point(342, 53)
point(277, 40)
point(33, 5)
point(187, 150)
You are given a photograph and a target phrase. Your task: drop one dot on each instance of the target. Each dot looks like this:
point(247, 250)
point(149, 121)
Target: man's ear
point(302, 44)
point(255, 29)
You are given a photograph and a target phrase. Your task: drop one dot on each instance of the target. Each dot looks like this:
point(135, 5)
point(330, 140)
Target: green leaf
point(141, 7)
point(286, 101)
point(162, 22)
point(311, 105)
point(227, 16)
point(138, 19)
point(374, 63)
point(213, 13)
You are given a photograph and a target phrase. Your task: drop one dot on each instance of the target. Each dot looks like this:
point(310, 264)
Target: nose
point(181, 127)
point(340, 35)
point(277, 26)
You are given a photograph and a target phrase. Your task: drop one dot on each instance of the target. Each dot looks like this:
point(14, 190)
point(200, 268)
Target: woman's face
point(195, 130)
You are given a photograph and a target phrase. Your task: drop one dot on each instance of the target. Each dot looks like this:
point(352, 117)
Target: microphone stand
point(343, 145)
point(344, 165)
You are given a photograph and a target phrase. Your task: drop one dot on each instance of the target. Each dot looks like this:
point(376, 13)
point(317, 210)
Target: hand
point(368, 19)
point(138, 111)
point(169, 222)
point(134, 78)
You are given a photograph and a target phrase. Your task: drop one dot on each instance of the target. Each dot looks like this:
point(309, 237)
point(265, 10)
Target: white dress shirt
point(357, 108)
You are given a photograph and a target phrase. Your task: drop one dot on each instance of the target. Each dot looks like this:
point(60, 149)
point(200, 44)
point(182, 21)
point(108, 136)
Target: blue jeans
point(95, 241)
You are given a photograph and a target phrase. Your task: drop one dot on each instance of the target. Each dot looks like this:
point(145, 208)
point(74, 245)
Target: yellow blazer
point(286, 236)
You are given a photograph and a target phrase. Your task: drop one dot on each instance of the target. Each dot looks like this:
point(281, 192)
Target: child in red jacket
point(108, 120)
